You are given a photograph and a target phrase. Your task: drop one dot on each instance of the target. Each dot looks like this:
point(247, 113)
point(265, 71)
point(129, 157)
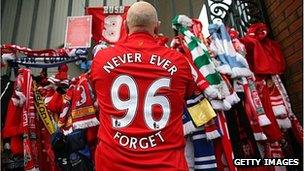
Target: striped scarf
point(231, 62)
point(205, 65)
point(198, 50)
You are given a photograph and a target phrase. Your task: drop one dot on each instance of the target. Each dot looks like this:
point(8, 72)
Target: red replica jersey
point(141, 88)
point(107, 23)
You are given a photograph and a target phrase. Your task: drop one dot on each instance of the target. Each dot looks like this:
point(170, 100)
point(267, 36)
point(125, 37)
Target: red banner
point(108, 23)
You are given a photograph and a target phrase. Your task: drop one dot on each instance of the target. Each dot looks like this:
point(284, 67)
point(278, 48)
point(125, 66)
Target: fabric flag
point(107, 23)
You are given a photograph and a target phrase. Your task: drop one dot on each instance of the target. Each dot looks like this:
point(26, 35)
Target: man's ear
point(156, 29)
point(126, 26)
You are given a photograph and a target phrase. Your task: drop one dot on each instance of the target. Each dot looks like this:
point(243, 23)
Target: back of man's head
point(142, 16)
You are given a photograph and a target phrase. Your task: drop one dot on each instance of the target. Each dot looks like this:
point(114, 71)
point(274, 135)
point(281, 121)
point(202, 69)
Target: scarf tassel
point(82, 124)
point(263, 120)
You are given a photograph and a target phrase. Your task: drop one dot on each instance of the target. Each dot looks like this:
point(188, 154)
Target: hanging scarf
point(179, 45)
point(83, 111)
point(13, 124)
point(264, 55)
point(204, 157)
point(272, 130)
point(29, 122)
point(198, 51)
point(78, 108)
point(257, 104)
point(37, 53)
point(42, 110)
point(277, 105)
point(296, 126)
point(195, 106)
point(223, 149)
point(231, 62)
point(200, 110)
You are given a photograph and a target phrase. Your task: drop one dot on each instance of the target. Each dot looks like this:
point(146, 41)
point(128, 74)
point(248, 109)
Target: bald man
point(141, 87)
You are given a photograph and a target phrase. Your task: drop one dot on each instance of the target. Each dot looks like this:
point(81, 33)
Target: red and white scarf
point(296, 126)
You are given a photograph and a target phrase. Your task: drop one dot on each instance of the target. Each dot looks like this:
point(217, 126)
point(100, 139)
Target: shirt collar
point(141, 35)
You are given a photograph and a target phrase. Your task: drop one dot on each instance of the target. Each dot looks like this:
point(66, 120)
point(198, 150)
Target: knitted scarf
point(254, 109)
point(204, 158)
point(222, 146)
point(278, 106)
point(29, 122)
point(78, 107)
point(42, 110)
point(296, 126)
point(201, 82)
point(199, 51)
point(272, 131)
point(202, 60)
point(231, 62)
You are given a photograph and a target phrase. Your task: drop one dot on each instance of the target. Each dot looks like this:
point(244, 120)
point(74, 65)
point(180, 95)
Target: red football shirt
point(141, 87)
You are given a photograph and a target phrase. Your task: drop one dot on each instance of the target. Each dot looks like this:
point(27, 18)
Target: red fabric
point(108, 27)
point(225, 143)
point(56, 103)
point(272, 131)
point(167, 152)
point(297, 130)
point(263, 54)
point(251, 111)
point(8, 48)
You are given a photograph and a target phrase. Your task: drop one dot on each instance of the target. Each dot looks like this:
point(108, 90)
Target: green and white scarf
point(203, 62)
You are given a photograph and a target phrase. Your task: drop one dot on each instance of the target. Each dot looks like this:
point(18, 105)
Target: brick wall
point(286, 21)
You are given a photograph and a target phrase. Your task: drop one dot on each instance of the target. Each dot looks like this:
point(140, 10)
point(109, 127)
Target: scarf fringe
point(284, 123)
point(220, 105)
point(85, 123)
point(259, 136)
point(212, 92)
point(279, 110)
point(233, 98)
point(189, 128)
point(263, 120)
point(240, 72)
point(224, 69)
point(33, 169)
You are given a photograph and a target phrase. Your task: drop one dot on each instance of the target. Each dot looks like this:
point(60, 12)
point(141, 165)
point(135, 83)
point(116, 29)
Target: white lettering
point(123, 60)
point(160, 137)
point(152, 59)
point(137, 57)
point(117, 135)
point(121, 140)
point(166, 64)
point(129, 57)
point(141, 144)
point(133, 142)
point(108, 67)
point(172, 70)
point(152, 140)
point(115, 61)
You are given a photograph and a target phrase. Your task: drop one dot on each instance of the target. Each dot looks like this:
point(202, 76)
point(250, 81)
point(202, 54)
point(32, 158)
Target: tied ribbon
point(42, 111)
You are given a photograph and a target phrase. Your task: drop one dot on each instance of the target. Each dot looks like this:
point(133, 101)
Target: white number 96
point(131, 104)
